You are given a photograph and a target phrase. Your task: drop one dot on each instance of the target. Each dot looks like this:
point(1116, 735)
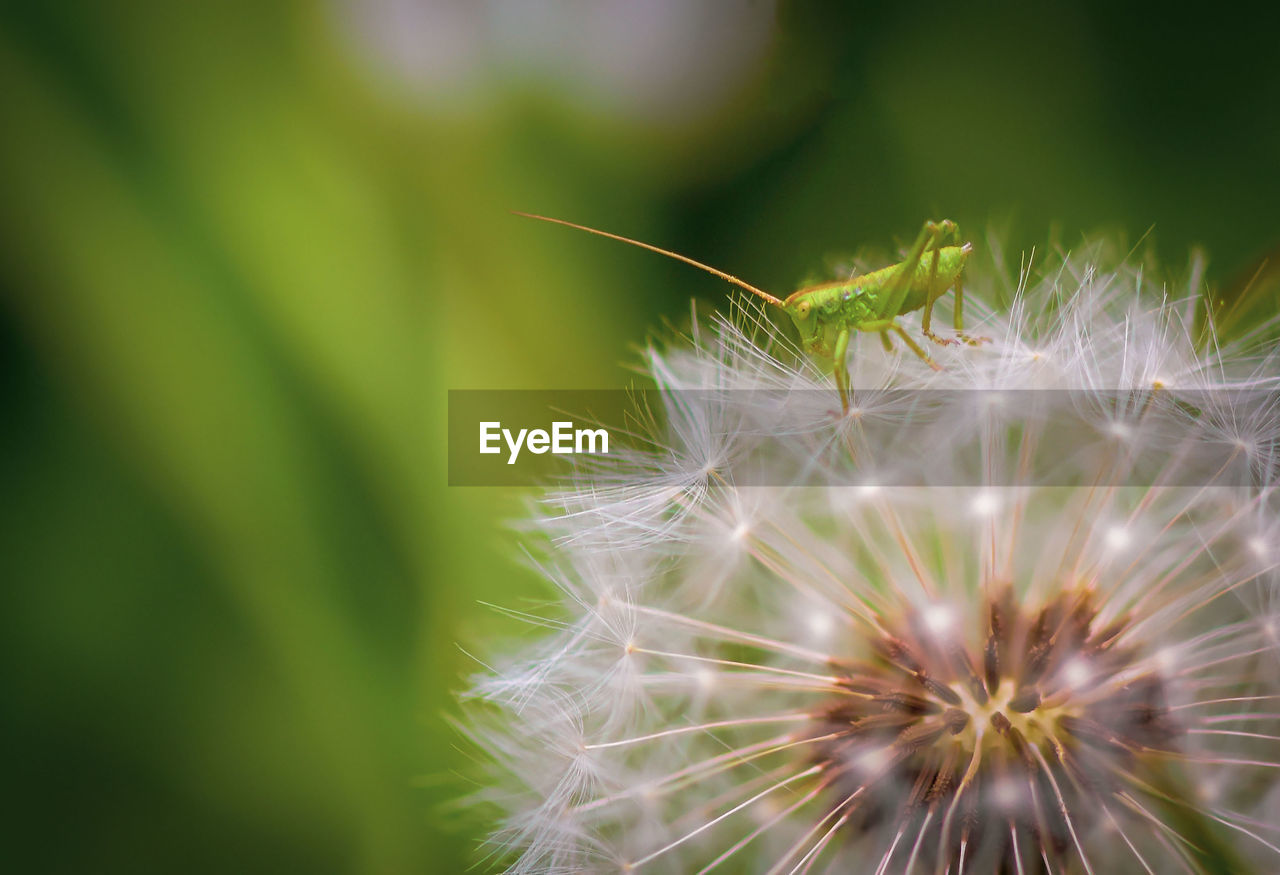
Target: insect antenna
point(698, 264)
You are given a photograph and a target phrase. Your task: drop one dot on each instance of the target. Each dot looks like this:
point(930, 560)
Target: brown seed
point(1103, 639)
point(1021, 746)
point(908, 702)
point(920, 735)
point(1037, 662)
point(1025, 700)
point(941, 690)
point(960, 659)
point(956, 720)
point(1090, 731)
point(1001, 723)
point(896, 651)
point(991, 662)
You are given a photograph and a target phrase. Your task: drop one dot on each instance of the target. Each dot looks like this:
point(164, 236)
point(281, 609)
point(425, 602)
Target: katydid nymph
point(826, 314)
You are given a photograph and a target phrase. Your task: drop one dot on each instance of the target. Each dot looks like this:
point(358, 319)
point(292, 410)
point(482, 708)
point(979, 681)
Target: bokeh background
point(246, 247)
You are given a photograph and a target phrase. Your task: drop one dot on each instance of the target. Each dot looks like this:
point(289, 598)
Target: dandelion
point(1020, 635)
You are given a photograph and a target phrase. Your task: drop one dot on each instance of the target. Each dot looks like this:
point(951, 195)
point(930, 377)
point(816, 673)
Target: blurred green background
point(247, 247)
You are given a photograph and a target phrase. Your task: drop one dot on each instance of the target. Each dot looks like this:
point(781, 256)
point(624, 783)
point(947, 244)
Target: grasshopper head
point(812, 333)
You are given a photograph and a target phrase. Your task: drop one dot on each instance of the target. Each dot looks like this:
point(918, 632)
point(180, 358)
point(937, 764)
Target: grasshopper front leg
point(842, 370)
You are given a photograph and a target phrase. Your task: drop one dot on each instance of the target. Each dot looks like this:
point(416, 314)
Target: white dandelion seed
point(935, 637)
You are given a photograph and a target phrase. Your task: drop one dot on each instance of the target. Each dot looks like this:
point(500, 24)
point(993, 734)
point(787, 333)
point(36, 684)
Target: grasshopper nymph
point(826, 314)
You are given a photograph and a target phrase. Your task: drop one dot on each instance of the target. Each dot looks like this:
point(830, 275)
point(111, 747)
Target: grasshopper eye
point(802, 309)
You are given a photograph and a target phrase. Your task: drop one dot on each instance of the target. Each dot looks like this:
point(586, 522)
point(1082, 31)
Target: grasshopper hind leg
point(884, 326)
point(940, 231)
point(896, 293)
point(915, 347)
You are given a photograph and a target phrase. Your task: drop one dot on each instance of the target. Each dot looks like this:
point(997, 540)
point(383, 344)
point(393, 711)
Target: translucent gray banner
point(969, 438)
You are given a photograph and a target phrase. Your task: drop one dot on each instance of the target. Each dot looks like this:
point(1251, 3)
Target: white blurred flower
point(664, 62)
point(1020, 645)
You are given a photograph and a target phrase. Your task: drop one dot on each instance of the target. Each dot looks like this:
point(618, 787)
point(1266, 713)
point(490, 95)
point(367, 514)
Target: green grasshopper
point(827, 313)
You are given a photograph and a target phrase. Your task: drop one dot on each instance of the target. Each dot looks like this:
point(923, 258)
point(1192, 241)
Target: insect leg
point(842, 371)
point(915, 347)
point(890, 305)
point(886, 325)
point(929, 299)
point(959, 320)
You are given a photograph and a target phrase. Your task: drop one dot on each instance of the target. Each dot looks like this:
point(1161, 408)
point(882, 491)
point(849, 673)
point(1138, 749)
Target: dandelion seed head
point(923, 714)
point(1032, 677)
